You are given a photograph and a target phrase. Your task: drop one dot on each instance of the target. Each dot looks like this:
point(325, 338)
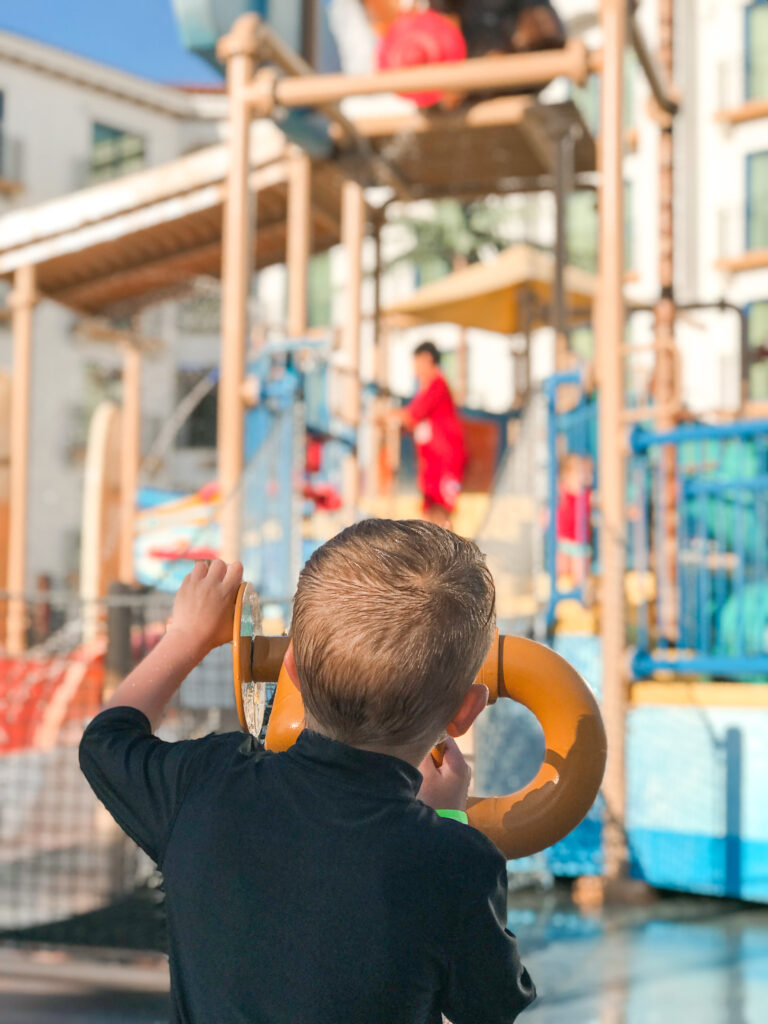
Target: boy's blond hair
point(392, 621)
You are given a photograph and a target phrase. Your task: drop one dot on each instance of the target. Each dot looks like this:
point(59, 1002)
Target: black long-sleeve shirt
point(311, 886)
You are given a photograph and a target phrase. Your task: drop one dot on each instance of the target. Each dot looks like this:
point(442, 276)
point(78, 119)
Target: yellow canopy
point(494, 296)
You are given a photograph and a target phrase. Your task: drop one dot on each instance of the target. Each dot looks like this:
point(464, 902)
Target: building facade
point(66, 123)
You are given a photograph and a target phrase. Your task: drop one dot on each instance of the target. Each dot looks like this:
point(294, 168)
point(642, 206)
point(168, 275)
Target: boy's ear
point(290, 666)
point(474, 702)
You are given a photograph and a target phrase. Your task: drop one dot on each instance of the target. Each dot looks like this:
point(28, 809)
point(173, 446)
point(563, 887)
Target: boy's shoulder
point(463, 856)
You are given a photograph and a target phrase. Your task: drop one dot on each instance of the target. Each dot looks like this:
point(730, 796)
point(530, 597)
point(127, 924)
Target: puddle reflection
point(676, 962)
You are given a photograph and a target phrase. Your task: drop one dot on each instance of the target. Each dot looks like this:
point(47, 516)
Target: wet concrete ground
point(681, 961)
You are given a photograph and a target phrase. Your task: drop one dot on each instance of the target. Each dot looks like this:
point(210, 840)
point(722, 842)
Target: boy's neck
point(411, 753)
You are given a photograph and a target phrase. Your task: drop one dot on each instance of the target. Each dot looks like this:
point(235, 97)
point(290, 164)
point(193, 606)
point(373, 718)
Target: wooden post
point(22, 303)
point(130, 455)
point(377, 475)
point(609, 341)
point(299, 239)
point(563, 152)
point(352, 235)
point(239, 50)
point(666, 390)
point(380, 331)
point(100, 525)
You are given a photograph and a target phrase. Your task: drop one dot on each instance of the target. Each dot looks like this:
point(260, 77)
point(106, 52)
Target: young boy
point(318, 885)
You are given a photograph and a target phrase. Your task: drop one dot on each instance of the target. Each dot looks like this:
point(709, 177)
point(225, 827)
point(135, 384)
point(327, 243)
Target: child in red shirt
point(438, 437)
point(574, 530)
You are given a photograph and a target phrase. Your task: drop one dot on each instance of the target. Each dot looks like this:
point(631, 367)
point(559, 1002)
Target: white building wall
point(52, 117)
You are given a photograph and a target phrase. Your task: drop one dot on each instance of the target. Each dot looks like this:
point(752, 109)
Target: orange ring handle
point(557, 799)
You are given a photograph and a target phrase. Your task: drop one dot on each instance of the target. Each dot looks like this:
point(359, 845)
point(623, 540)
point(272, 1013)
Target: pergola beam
point(183, 265)
point(134, 221)
point(144, 188)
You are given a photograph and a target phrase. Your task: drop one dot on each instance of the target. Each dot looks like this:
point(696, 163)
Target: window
point(200, 314)
point(582, 229)
point(319, 296)
point(430, 267)
point(756, 50)
point(199, 428)
point(114, 152)
point(629, 226)
point(101, 383)
point(757, 344)
point(581, 340)
point(587, 97)
point(9, 152)
point(757, 201)
point(450, 367)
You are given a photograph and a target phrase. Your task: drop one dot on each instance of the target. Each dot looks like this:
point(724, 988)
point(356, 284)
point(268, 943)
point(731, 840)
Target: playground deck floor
point(676, 961)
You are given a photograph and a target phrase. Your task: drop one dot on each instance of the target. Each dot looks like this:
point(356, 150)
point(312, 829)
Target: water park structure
point(671, 635)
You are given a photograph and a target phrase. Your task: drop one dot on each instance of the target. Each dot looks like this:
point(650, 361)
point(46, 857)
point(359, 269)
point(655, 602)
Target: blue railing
point(696, 534)
point(716, 582)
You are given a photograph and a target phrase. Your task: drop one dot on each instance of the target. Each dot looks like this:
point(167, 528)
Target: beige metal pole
point(299, 239)
point(610, 335)
point(130, 444)
point(22, 302)
point(352, 235)
point(239, 49)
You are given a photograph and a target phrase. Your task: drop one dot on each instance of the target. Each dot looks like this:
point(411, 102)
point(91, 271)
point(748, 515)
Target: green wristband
point(456, 815)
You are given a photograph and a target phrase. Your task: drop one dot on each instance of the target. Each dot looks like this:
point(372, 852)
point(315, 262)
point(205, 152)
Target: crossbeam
point(519, 70)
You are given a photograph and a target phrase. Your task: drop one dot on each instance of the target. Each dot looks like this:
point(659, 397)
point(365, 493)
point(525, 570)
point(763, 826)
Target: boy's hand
point(205, 605)
point(446, 788)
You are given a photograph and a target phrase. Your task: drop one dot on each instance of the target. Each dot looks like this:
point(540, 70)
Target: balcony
point(742, 89)
point(10, 164)
point(742, 239)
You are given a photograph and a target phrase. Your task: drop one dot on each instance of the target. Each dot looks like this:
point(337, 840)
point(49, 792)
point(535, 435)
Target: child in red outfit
point(574, 531)
point(438, 437)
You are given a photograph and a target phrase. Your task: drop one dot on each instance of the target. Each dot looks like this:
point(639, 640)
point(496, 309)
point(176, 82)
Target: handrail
point(474, 75)
point(643, 439)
